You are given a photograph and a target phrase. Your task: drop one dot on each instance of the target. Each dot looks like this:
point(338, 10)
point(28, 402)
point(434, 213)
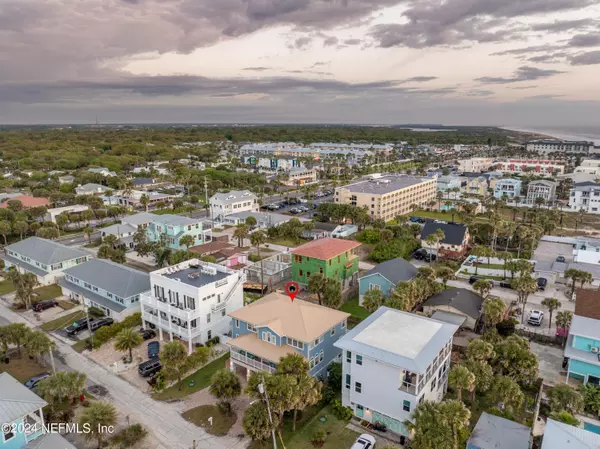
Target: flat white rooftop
point(401, 334)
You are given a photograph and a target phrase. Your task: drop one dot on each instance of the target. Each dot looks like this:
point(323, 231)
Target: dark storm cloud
point(585, 40)
point(524, 73)
point(588, 58)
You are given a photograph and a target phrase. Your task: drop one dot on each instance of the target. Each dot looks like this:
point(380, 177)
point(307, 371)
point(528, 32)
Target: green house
point(335, 258)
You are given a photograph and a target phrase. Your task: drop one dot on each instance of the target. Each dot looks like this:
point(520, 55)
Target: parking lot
point(288, 207)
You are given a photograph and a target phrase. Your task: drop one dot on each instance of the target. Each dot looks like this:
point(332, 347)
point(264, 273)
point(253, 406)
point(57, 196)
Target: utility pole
point(262, 388)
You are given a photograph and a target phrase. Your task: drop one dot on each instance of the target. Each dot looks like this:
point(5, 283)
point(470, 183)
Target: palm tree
point(225, 386)
point(460, 378)
point(507, 391)
point(493, 310)
point(482, 286)
point(187, 241)
point(478, 251)
point(241, 233)
point(258, 238)
point(563, 320)
point(316, 284)
point(173, 357)
point(573, 274)
point(552, 304)
point(445, 274)
point(431, 240)
point(144, 201)
point(37, 344)
point(24, 284)
point(372, 300)
point(525, 285)
point(480, 350)
point(585, 277)
point(127, 339)
point(440, 236)
point(456, 416)
point(429, 431)
point(64, 384)
point(98, 417)
point(5, 229)
point(17, 334)
point(505, 257)
point(88, 233)
point(20, 227)
point(308, 392)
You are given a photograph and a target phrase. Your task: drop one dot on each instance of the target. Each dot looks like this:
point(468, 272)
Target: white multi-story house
point(300, 176)
point(223, 204)
point(191, 301)
point(535, 166)
point(585, 196)
point(391, 362)
point(475, 164)
point(73, 209)
point(46, 259)
point(541, 189)
point(588, 170)
point(560, 146)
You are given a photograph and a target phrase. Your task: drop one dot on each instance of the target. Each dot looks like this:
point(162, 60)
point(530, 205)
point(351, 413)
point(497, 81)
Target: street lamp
point(262, 389)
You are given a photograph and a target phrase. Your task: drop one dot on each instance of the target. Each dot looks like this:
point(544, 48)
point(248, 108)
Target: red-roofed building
point(28, 201)
point(334, 258)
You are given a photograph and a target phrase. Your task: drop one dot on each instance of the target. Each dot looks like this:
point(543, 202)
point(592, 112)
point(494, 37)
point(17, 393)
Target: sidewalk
point(162, 419)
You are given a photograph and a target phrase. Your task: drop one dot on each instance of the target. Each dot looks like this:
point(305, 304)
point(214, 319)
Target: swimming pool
point(591, 427)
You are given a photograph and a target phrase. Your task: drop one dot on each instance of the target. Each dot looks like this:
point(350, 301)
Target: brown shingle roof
point(587, 303)
point(210, 248)
point(296, 319)
point(325, 249)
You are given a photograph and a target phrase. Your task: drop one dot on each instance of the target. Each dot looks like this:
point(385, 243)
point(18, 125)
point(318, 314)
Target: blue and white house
point(507, 188)
point(446, 183)
point(386, 276)
point(111, 287)
point(173, 227)
point(22, 419)
point(583, 350)
point(393, 361)
point(272, 327)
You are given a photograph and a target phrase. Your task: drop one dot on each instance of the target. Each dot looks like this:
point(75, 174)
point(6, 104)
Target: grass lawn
point(66, 305)
point(6, 286)
point(483, 276)
point(22, 369)
point(221, 423)
point(354, 309)
point(436, 215)
point(63, 321)
point(47, 292)
point(201, 380)
point(284, 241)
point(79, 346)
point(491, 266)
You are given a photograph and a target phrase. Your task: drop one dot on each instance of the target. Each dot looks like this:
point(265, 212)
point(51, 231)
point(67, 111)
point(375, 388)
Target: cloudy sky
point(499, 62)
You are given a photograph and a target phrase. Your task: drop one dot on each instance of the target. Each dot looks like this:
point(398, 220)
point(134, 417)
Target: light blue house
point(507, 188)
point(583, 349)
point(386, 276)
point(22, 419)
point(274, 326)
point(447, 183)
point(173, 227)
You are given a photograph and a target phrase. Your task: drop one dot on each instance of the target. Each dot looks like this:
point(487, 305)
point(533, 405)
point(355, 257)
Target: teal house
point(22, 419)
point(386, 276)
point(172, 228)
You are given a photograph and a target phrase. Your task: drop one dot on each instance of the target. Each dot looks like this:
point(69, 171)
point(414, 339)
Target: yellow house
point(477, 186)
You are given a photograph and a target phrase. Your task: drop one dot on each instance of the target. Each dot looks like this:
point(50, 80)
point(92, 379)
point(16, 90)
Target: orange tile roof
point(28, 201)
point(325, 249)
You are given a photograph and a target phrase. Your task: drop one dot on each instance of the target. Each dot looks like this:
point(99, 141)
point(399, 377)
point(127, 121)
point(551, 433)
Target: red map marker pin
point(292, 289)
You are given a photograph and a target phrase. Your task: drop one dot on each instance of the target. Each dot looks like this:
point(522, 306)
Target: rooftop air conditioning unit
point(594, 349)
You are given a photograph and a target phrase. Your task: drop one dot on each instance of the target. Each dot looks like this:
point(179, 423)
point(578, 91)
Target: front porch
point(249, 354)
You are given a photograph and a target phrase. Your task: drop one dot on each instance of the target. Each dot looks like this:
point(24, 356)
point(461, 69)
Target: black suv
point(542, 283)
point(78, 326)
point(94, 326)
point(147, 334)
point(149, 367)
point(45, 304)
point(474, 279)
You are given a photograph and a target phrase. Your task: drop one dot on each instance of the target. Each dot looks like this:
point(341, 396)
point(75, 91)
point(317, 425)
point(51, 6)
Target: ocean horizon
point(588, 133)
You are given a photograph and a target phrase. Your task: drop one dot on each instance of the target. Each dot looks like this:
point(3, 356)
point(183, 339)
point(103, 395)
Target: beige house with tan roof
point(274, 326)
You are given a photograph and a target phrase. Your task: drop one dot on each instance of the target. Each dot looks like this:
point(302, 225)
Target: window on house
point(237, 323)
point(209, 335)
point(300, 273)
point(433, 383)
point(321, 270)
point(250, 327)
point(223, 312)
point(307, 274)
point(295, 343)
point(348, 381)
point(359, 359)
point(208, 317)
point(344, 324)
point(406, 405)
point(339, 259)
point(332, 331)
point(358, 387)
point(348, 357)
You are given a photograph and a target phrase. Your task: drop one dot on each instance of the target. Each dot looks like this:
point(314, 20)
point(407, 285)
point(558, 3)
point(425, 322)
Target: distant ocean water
point(589, 133)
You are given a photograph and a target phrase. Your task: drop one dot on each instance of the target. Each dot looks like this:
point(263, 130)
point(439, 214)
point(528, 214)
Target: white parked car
point(365, 441)
point(536, 317)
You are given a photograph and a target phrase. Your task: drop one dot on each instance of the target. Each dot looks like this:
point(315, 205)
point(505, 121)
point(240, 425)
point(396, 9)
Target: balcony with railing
point(252, 361)
point(169, 325)
point(170, 308)
point(409, 382)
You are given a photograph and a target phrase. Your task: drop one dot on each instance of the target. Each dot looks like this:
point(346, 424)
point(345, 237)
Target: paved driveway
point(550, 360)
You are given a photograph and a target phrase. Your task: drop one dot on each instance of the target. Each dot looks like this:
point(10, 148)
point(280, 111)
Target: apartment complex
point(540, 189)
point(585, 196)
point(46, 259)
point(191, 300)
point(387, 196)
point(475, 164)
point(223, 204)
point(300, 176)
point(171, 228)
point(588, 170)
point(448, 183)
point(534, 166)
point(111, 287)
point(560, 146)
point(507, 188)
point(272, 163)
point(391, 362)
point(315, 150)
point(273, 327)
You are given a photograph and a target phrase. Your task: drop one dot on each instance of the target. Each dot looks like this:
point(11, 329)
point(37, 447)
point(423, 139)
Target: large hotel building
point(387, 196)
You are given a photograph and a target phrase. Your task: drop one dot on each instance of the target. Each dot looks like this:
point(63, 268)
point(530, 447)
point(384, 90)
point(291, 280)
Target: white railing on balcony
point(220, 306)
point(166, 325)
point(251, 363)
point(163, 306)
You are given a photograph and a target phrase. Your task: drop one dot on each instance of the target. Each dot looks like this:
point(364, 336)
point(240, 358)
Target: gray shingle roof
point(119, 229)
point(46, 251)
point(395, 270)
point(460, 299)
point(17, 400)
point(49, 441)
point(115, 278)
point(95, 297)
point(494, 432)
point(91, 187)
point(175, 220)
point(454, 233)
point(138, 219)
point(233, 196)
point(401, 339)
point(563, 436)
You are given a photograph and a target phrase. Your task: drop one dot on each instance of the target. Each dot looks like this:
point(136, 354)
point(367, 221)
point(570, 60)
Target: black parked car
point(31, 383)
point(153, 349)
point(45, 304)
point(149, 367)
point(505, 283)
point(78, 326)
point(101, 323)
point(542, 283)
point(147, 334)
point(474, 279)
